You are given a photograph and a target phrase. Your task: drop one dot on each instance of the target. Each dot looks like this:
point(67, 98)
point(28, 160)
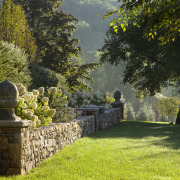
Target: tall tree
point(14, 28)
point(161, 15)
point(53, 30)
point(148, 65)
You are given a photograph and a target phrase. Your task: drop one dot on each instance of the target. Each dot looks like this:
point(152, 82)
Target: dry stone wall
point(109, 118)
point(21, 149)
point(43, 142)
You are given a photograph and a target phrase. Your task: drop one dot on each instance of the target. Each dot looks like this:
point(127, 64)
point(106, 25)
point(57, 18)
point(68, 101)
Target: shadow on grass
point(167, 135)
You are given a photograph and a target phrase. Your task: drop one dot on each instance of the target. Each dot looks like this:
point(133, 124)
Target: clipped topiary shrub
point(13, 64)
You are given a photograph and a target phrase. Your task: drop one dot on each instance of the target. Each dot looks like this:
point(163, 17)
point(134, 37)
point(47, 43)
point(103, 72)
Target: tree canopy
point(161, 15)
point(53, 29)
point(14, 28)
point(53, 32)
point(148, 66)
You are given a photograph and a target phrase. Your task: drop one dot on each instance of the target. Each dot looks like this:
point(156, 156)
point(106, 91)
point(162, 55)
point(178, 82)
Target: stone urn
point(8, 100)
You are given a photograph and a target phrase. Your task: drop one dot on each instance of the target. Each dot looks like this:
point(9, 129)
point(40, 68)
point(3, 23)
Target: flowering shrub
point(101, 99)
point(55, 104)
point(34, 106)
point(59, 101)
point(98, 99)
point(81, 98)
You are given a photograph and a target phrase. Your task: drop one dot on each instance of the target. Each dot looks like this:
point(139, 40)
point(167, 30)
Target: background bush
point(130, 114)
point(13, 64)
point(145, 113)
point(43, 77)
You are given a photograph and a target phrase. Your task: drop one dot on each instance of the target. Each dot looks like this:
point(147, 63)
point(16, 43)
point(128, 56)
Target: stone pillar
point(94, 112)
point(91, 111)
point(11, 131)
point(11, 147)
point(118, 103)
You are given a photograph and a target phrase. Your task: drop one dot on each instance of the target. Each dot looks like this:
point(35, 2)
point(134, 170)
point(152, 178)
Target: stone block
point(11, 138)
point(5, 155)
point(15, 151)
point(17, 138)
point(3, 143)
point(16, 164)
point(1, 155)
point(23, 171)
point(5, 163)
point(26, 134)
point(13, 171)
point(3, 171)
point(11, 130)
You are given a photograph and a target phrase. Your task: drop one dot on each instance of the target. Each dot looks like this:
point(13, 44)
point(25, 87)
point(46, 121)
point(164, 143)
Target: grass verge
point(130, 150)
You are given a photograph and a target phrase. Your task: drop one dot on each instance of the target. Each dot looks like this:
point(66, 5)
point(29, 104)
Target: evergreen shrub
point(43, 77)
point(14, 64)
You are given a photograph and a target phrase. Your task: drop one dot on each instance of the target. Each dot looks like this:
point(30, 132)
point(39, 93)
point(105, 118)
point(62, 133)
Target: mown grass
point(130, 150)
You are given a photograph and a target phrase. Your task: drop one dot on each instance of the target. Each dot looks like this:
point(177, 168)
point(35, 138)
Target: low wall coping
point(89, 109)
point(19, 123)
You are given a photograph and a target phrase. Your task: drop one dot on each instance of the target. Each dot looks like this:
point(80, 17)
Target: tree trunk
point(178, 117)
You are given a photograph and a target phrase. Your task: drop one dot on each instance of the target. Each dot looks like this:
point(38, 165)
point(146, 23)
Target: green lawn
point(130, 150)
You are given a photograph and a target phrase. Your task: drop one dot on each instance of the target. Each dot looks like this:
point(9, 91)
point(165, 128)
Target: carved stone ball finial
point(118, 103)
point(117, 96)
point(8, 100)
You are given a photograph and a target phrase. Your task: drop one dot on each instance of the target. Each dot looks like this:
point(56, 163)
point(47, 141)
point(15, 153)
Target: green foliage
point(147, 66)
point(13, 64)
point(146, 113)
point(43, 77)
point(130, 114)
point(109, 98)
point(14, 28)
point(91, 31)
point(54, 38)
point(108, 77)
point(158, 15)
point(34, 106)
point(58, 100)
point(167, 106)
point(98, 98)
point(78, 73)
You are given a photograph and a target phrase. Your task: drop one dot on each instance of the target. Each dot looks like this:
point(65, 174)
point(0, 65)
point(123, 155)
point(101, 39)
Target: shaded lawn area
point(129, 150)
